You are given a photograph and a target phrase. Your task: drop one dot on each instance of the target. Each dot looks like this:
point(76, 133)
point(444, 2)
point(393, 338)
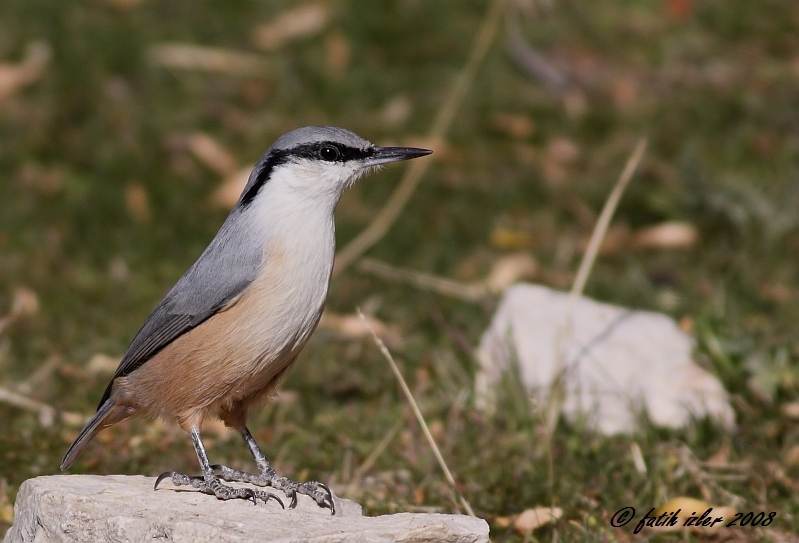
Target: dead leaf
point(300, 22)
point(638, 459)
point(418, 495)
point(510, 238)
point(354, 327)
point(338, 53)
point(791, 410)
point(625, 91)
point(100, 364)
point(684, 508)
point(208, 151)
point(559, 155)
point(679, 9)
point(48, 181)
point(721, 456)
point(25, 303)
point(562, 150)
point(396, 111)
point(138, 203)
point(667, 235)
point(187, 56)
point(118, 270)
point(513, 125)
point(616, 239)
point(254, 93)
point(16, 76)
point(776, 292)
point(231, 188)
point(530, 519)
point(686, 324)
point(791, 457)
point(76, 420)
point(6, 511)
point(508, 270)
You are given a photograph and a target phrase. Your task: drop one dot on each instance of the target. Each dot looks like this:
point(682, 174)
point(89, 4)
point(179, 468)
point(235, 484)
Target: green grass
point(715, 94)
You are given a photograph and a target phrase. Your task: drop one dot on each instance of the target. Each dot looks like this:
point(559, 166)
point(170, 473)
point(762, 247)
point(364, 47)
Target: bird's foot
point(317, 491)
point(214, 486)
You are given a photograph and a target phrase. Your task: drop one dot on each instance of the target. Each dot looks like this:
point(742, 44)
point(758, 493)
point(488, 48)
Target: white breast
point(298, 234)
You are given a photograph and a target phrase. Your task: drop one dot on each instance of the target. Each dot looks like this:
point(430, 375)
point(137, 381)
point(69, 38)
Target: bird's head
point(319, 162)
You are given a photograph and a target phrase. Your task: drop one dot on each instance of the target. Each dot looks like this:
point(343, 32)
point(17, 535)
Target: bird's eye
point(329, 153)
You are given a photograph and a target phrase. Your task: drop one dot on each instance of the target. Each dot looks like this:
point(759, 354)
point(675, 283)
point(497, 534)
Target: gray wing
point(221, 274)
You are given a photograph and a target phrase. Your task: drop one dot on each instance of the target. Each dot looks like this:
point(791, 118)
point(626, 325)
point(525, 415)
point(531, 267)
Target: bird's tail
point(109, 413)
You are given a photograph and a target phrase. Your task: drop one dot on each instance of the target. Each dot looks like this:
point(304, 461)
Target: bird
point(221, 339)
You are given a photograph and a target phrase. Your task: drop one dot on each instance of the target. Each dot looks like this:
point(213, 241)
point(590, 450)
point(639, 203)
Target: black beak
point(384, 155)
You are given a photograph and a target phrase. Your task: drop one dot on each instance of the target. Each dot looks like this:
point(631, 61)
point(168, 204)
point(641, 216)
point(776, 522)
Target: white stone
point(615, 361)
point(117, 508)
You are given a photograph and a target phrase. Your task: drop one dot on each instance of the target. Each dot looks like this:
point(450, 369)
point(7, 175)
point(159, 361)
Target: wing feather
point(216, 280)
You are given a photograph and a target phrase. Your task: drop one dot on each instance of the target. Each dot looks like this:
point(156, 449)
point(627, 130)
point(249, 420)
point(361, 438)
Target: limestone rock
point(90, 508)
point(615, 362)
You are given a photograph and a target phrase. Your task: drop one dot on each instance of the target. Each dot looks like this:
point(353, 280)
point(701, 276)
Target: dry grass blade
point(396, 202)
point(373, 456)
point(188, 56)
point(601, 228)
point(47, 413)
point(603, 222)
point(420, 419)
point(533, 62)
point(40, 376)
point(441, 285)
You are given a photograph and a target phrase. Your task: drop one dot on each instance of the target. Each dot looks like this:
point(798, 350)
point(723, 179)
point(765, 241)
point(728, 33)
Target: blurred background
point(125, 126)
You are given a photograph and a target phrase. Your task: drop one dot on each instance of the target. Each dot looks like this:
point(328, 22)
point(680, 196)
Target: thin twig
point(419, 418)
point(42, 374)
point(396, 202)
point(47, 413)
point(440, 285)
point(534, 63)
point(557, 390)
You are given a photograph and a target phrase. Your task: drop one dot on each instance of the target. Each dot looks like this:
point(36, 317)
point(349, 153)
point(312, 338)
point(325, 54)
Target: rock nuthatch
point(232, 326)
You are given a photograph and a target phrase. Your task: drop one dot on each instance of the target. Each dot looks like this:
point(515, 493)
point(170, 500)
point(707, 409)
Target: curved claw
point(293, 497)
point(265, 496)
point(161, 477)
point(329, 498)
point(251, 495)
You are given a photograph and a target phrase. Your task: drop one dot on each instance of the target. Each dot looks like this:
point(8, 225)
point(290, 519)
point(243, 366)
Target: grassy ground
point(104, 207)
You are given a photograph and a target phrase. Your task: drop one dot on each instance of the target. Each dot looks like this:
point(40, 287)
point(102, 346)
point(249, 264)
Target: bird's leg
point(210, 483)
point(268, 477)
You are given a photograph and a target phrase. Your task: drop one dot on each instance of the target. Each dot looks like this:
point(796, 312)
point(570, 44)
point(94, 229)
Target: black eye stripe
point(310, 151)
point(313, 151)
